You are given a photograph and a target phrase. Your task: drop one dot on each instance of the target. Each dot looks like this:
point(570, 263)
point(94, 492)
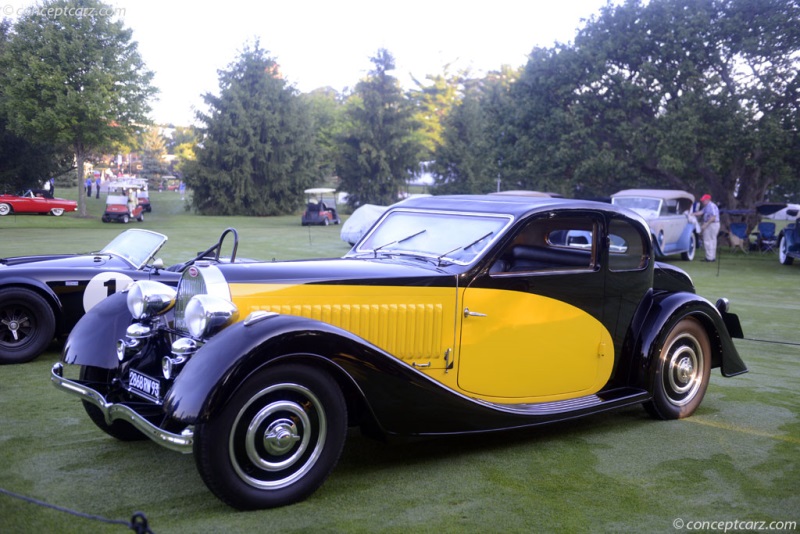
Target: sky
point(329, 43)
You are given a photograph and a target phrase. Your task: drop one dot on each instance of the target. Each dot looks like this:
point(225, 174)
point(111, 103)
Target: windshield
point(454, 237)
point(647, 207)
point(136, 246)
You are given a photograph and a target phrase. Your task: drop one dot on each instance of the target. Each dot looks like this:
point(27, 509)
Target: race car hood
point(56, 261)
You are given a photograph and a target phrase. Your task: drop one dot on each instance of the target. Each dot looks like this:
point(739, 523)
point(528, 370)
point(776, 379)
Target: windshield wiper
point(464, 247)
point(376, 249)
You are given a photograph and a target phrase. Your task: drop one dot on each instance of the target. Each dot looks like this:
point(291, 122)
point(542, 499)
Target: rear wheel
point(783, 252)
point(100, 380)
point(682, 372)
point(27, 325)
point(276, 441)
point(140, 218)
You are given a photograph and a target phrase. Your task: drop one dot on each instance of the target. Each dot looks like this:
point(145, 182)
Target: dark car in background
point(452, 315)
point(43, 296)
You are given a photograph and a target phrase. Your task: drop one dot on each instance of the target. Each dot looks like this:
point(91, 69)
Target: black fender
point(45, 291)
point(93, 340)
point(663, 311)
point(397, 399)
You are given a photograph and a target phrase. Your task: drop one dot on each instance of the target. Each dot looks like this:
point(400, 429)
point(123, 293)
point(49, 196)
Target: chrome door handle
point(468, 313)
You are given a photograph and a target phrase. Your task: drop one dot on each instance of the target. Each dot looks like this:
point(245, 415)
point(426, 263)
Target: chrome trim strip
point(119, 412)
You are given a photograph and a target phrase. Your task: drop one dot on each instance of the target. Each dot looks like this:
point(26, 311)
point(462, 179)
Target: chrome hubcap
point(683, 370)
point(281, 436)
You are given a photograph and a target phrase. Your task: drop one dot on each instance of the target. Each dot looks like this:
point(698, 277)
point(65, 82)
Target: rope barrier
point(138, 522)
point(771, 341)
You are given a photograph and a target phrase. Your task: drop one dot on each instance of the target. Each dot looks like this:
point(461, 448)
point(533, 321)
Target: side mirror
point(158, 263)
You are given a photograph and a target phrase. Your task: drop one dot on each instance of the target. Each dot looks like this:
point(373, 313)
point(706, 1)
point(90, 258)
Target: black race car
point(452, 315)
point(43, 296)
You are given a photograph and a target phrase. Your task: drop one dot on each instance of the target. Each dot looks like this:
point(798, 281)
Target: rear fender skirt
point(400, 400)
point(665, 311)
point(93, 340)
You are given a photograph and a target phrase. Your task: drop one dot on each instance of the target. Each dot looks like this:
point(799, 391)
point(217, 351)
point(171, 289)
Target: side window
point(626, 247)
point(551, 243)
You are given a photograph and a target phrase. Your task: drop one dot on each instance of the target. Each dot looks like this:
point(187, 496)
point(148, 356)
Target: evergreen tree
point(257, 152)
point(378, 151)
point(462, 162)
point(152, 150)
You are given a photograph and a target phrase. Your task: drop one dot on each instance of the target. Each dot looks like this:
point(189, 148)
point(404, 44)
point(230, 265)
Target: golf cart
point(123, 204)
point(320, 207)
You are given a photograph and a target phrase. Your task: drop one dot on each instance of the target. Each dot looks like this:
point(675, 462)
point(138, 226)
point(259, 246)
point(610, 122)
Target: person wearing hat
point(709, 226)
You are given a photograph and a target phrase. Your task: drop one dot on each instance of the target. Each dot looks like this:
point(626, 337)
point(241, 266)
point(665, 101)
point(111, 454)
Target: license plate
point(144, 386)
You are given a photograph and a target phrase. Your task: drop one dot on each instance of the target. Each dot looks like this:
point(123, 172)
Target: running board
point(602, 401)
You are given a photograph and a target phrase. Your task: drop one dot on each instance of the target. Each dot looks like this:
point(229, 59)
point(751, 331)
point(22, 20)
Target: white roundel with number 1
point(104, 285)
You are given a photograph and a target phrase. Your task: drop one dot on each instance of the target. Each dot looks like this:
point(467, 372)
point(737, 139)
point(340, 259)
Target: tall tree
point(465, 160)
point(75, 80)
point(690, 94)
point(432, 104)
point(327, 113)
point(152, 149)
point(378, 151)
point(473, 154)
point(257, 153)
point(25, 164)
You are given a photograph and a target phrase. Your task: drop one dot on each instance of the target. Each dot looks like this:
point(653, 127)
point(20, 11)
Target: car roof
point(654, 193)
point(503, 204)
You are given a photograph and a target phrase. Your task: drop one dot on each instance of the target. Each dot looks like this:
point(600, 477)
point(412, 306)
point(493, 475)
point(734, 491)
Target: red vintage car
point(33, 201)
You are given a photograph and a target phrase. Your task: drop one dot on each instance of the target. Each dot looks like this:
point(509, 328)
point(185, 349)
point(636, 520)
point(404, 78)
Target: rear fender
point(666, 310)
point(45, 291)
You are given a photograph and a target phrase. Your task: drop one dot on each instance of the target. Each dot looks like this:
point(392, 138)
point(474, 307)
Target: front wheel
point(276, 441)
point(689, 254)
point(682, 372)
point(5, 209)
point(125, 219)
point(57, 212)
point(783, 252)
point(140, 218)
point(27, 325)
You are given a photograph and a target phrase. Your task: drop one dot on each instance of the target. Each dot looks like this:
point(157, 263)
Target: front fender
point(226, 360)
point(93, 340)
point(664, 312)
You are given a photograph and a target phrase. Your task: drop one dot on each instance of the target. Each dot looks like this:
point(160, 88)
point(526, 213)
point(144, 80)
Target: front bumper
point(119, 412)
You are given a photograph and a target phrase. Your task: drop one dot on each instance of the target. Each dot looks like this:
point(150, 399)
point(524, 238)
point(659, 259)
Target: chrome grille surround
point(202, 278)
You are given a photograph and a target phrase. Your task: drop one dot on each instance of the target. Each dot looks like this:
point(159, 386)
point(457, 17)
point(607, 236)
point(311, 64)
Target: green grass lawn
point(737, 458)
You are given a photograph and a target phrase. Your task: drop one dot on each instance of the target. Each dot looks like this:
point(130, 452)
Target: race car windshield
point(459, 237)
point(135, 246)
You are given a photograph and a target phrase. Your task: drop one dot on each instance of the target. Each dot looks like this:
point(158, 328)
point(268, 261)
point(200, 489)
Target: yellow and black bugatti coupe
point(452, 314)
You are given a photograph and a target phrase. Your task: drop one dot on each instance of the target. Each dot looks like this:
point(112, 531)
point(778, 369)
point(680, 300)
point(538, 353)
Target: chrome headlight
point(147, 299)
point(206, 315)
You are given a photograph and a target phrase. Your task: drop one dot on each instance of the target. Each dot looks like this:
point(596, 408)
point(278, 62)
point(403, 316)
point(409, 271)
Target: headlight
point(205, 315)
point(147, 299)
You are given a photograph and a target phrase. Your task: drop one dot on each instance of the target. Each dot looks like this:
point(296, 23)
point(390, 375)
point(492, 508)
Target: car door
point(531, 327)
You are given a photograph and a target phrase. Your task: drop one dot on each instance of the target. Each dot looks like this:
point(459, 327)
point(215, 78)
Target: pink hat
point(705, 197)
